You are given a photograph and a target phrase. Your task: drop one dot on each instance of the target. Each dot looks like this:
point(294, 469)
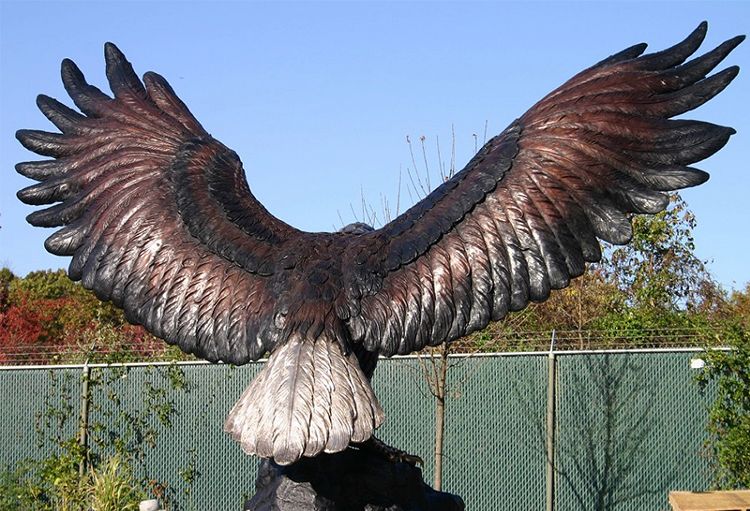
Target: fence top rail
point(565, 352)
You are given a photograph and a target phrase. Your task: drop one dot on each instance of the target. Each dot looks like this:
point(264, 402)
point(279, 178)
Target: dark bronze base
point(353, 480)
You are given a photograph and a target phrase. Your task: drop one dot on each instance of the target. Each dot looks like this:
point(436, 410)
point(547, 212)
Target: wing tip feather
point(39, 170)
point(40, 218)
point(722, 79)
point(70, 72)
point(113, 56)
point(111, 48)
point(678, 53)
point(700, 177)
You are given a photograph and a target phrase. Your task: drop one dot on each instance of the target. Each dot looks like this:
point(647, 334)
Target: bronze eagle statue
point(159, 219)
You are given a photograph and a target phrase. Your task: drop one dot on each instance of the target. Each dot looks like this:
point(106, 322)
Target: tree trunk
point(440, 391)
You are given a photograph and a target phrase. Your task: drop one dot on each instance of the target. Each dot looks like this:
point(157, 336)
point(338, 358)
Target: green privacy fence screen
point(629, 426)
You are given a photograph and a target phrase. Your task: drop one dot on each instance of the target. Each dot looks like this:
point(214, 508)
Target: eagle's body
point(158, 218)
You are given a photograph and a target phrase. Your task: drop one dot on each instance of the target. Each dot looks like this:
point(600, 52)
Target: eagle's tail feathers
point(309, 398)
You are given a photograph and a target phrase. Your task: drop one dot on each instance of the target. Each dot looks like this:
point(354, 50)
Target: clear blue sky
point(317, 98)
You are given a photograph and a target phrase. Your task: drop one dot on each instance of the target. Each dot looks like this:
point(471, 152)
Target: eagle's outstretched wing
point(157, 214)
point(523, 217)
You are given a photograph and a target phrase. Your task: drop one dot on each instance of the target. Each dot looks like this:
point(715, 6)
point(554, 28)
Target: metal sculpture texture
point(158, 218)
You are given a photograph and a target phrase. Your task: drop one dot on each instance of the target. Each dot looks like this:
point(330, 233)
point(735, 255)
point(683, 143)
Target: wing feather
point(480, 271)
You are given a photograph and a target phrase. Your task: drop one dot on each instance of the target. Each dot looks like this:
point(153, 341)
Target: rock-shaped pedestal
point(352, 480)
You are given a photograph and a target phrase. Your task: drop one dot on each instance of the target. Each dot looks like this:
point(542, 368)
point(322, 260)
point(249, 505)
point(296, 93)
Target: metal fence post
point(84, 419)
point(551, 387)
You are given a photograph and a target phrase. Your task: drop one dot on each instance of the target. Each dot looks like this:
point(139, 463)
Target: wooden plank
point(736, 500)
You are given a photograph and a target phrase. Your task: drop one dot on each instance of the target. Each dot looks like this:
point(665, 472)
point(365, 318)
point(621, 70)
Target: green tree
point(738, 307)
point(6, 278)
point(658, 269)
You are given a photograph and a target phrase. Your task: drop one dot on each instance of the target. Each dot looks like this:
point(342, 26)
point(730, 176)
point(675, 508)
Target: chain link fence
point(628, 426)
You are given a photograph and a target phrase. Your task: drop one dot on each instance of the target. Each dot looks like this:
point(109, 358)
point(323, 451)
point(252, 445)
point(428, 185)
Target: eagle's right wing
point(527, 212)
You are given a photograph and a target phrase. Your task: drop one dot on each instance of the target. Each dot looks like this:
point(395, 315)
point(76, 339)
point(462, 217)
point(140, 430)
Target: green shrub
point(112, 487)
point(54, 484)
point(729, 419)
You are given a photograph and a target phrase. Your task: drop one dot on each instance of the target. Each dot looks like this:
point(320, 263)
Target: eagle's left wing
point(157, 215)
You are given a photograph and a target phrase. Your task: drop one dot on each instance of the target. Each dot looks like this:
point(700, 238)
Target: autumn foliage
point(46, 318)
